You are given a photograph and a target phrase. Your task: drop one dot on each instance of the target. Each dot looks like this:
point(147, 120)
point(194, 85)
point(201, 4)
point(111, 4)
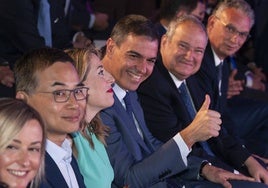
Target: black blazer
point(54, 178)
point(165, 115)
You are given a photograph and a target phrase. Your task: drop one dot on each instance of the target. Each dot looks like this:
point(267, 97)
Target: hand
point(234, 86)
point(259, 173)
point(81, 41)
point(261, 158)
point(101, 21)
point(218, 175)
point(257, 83)
point(205, 125)
point(6, 76)
point(257, 71)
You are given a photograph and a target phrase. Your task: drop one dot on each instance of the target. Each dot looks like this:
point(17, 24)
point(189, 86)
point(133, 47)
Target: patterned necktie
point(43, 24)
point(192, 112)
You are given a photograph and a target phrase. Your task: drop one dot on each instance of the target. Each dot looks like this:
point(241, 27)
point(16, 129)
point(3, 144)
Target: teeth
point(17, 173)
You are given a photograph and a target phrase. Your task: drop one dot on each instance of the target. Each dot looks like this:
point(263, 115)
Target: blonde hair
point(82, 61)
point(14, 114)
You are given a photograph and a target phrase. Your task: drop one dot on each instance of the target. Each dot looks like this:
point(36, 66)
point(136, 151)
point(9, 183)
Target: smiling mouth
point(18, 173)
point(134, 76)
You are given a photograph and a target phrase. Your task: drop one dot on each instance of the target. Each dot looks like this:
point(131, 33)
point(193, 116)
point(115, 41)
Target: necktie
point(129, 110)
point(192, 112)
point(219, 74)
point(43, 24)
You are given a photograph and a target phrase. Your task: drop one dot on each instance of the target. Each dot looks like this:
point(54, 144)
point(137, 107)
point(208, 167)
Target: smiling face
point(222, 39)
point(131, 62)
point(60, 118)
point(182, 54)
point(20, 160)
point(100, 83)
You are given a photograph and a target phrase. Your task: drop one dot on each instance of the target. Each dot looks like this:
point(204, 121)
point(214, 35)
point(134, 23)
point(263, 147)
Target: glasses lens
point(61, 95)
point(80, 93)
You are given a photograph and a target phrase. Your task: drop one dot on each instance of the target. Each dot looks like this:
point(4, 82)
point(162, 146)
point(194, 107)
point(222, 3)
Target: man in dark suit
point(47, 80)
point(227, 32)
point(167, 112)
point(19, 33)
point(139, 159)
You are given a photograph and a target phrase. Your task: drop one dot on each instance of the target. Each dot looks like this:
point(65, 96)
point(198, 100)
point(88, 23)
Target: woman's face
point(100, 83)
point(20, 160)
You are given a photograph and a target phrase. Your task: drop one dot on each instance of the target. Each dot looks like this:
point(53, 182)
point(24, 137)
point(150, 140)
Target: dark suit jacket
point(166, 114)
point(19, 33)
point(139, 163)
point(53, 176)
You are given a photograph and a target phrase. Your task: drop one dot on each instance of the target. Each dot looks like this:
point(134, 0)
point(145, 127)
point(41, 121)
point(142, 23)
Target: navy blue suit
point(245, 118)
point(136, 162)
point(53, 176)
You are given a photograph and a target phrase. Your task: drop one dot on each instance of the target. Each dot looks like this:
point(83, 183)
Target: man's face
point(182, 54)
point(228, 32)
point(132, 61)
point(60, 118)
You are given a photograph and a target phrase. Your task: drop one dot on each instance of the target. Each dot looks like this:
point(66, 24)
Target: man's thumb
point(206, 103)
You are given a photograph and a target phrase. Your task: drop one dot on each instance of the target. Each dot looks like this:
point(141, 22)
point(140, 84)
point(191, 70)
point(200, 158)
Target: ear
point(211, 21)
point(110, 46)
point(163, 41)
point(22, 95)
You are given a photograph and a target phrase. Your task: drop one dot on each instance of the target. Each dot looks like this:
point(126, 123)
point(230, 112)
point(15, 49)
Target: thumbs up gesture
point(205, 125)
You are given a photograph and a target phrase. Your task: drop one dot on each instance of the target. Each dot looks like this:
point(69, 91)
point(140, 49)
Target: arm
point(126, 157)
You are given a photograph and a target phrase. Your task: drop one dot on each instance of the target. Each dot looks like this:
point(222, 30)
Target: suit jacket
point(166, 114)
point(53, 176)
point(137, 162)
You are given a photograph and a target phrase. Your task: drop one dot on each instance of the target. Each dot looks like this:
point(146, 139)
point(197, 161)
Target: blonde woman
point(89, 142)
point(22, 145)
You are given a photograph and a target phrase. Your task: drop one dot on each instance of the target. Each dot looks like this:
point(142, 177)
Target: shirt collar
point(176, 80)
point(56, 152)
point(217, 60)
point(119, 92)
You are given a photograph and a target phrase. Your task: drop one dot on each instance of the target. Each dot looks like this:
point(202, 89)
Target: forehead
point(141, 44)
point(237, 18)
point(60, 72)
point(191, 33)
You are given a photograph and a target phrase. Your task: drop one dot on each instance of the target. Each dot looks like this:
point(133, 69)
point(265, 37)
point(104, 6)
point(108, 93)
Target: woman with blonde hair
point(89, 142)
point(22, 145)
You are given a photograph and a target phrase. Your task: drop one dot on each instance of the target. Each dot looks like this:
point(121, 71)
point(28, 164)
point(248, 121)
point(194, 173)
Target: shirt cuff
point(91, 21)
point(249, 80)
point(182, 147)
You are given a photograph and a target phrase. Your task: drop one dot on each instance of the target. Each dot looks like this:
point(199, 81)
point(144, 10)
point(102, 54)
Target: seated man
point(47, 80)
point(139, 159)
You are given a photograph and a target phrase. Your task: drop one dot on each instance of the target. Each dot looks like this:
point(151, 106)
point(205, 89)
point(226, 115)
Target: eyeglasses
point(63, 95)
point(230, 29)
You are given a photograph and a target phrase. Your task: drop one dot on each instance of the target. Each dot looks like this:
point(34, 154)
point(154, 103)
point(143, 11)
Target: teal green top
point(94, 163)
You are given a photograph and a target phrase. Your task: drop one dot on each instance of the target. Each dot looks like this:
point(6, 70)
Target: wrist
point(202, 166)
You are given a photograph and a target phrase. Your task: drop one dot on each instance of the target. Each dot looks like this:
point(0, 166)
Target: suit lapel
point(78, 175)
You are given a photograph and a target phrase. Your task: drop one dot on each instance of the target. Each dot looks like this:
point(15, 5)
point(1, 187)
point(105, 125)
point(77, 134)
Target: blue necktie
point(44, 24)
point(129, 110)
point(192, 112)
point(219, 74)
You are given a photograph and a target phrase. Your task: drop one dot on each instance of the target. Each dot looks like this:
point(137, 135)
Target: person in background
point(22, 145)
point(200, 10)
point(89, 141)
point(228, 28)
point(47, 80)
point(28, 25)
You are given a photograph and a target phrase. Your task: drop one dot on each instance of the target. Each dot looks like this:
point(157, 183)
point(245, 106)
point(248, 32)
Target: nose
point(108, 77)
point(72, 100)
point(189, 54)
point(24, 159)
point(142, 66)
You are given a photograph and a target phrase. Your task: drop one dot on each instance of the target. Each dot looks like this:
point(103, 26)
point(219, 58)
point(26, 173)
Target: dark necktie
point(129, 110)
point(219, 74)
point(43, 24)
point(192, 112)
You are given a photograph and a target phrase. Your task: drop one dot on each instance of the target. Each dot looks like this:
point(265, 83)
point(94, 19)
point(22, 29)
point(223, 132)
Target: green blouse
point(94, 163)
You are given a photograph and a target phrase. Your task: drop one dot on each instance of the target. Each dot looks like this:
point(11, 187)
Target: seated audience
point(22, 145)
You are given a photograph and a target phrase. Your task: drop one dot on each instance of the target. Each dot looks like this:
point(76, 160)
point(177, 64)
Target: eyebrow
point(33, 143)
point(62, 84)
point(138, 54)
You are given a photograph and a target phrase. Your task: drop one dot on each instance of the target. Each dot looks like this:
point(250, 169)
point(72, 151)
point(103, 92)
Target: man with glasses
point(228, 28)
point(47, 80)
